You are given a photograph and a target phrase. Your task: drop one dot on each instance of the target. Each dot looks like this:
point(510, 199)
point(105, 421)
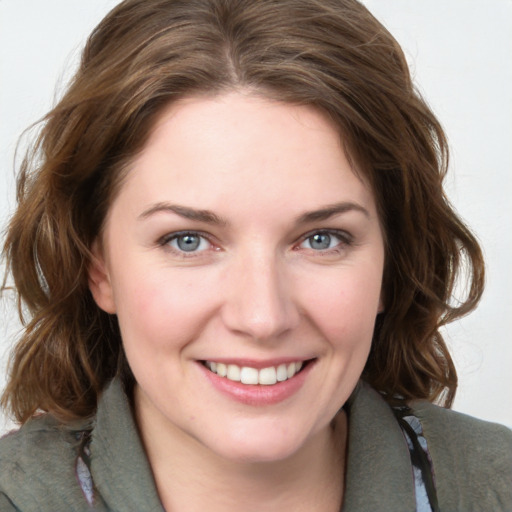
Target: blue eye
point(188, 242)
point(323, 240)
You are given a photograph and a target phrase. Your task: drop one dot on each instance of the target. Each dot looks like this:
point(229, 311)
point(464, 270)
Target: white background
point(460, 52)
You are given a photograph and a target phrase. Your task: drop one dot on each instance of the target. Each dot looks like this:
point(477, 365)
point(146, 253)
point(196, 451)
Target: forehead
point(238, 150)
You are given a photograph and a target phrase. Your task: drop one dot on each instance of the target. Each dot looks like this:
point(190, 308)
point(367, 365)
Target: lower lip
point(258, 395)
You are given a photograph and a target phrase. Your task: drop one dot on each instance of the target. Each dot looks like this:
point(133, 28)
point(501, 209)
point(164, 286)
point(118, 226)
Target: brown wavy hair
point(330, 54)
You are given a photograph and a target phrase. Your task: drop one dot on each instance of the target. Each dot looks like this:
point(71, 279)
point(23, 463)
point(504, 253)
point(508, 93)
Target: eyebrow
point(184, 211)
point(330, 211)
point(209, 217)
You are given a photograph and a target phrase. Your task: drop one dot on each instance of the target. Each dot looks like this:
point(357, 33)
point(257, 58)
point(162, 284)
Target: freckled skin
point(258, 286)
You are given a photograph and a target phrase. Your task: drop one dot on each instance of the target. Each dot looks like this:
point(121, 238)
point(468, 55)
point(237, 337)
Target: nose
point(260, 302)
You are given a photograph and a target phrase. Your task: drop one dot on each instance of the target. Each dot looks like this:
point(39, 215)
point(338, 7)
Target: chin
point(258, 445)
point(255, 454)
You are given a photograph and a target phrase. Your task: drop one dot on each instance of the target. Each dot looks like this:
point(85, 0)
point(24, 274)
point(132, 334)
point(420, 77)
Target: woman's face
point(242, 242)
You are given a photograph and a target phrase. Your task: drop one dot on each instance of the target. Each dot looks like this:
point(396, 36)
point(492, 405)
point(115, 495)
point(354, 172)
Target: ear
point(99, 280)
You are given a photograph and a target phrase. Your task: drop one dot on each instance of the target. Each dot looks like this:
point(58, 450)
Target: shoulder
point(37, 466)
point(472, 459)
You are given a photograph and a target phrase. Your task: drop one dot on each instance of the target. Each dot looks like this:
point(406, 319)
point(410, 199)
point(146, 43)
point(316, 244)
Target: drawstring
point(83, 466)
point(423, 470)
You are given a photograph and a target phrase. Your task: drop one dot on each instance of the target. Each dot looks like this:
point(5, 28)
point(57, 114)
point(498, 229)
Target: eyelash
point(166, 240)
point(345, 240)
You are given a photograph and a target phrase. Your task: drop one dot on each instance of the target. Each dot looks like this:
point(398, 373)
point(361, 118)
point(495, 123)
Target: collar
point(378, 476)
point(119, 466)
point(379, 473)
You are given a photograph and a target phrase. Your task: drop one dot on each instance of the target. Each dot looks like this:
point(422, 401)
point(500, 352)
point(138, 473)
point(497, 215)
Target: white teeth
point(248, 375)
point(282, 373)
point(252, 376)
point(233, 372)
point(267, 376)
point(222, 370)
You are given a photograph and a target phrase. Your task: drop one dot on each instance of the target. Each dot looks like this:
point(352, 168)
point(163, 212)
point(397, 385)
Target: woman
point(235, 252)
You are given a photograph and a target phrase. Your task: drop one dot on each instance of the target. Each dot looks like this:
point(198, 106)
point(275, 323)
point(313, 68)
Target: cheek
point(344, 306)
point(162, 308)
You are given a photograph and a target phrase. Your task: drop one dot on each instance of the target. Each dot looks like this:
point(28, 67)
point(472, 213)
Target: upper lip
point(258, 363)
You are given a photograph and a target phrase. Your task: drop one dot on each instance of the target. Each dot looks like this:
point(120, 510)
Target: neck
point(189, 476)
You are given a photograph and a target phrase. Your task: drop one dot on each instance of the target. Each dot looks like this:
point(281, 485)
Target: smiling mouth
point(253, 376)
